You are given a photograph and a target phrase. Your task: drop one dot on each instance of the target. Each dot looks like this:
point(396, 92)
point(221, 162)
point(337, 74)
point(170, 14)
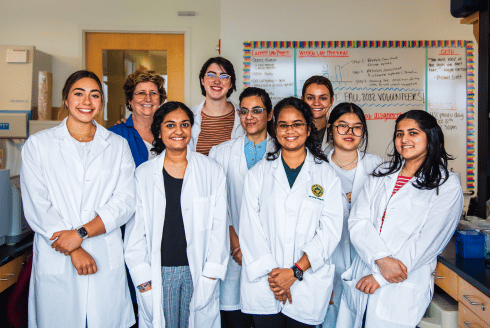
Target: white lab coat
point(203, 203)
point(417, 227)
point(326, 146)
point(231, 156)
point(344, 253)
point(237, 131)
point(60, 193)
point(278, 225)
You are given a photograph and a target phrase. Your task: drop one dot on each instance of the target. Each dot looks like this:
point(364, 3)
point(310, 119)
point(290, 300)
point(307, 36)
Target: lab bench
point(12, 260)
point(468, 282)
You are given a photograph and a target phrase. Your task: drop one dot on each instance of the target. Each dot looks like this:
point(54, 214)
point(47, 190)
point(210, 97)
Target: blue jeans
point(177, 293)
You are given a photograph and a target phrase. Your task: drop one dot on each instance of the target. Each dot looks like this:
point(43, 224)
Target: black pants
point(236, 319)
point(277, 321)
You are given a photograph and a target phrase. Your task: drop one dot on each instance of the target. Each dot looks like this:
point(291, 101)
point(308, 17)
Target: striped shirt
point(400, 182)
point(214, 130)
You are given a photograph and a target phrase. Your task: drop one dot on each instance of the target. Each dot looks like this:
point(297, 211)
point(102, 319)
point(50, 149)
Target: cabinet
point(473, 305)
point(9, 272)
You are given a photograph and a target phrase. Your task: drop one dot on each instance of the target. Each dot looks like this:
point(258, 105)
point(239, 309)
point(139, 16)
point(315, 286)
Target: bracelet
point(296, 265)
point(142, 288)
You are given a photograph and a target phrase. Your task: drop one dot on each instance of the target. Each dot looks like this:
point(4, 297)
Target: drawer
point(10, 272)
point(447, 280)
point(467, 319)
point(481, 303)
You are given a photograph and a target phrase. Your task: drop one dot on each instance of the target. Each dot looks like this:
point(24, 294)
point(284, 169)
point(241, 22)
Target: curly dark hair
point(159, 117)
point(312, 144)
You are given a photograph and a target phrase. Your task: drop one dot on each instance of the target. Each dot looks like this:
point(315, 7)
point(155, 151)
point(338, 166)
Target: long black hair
point(266, 100)
point(344, 108)
point(311, 143)
point(159, 117)
point(428, 175)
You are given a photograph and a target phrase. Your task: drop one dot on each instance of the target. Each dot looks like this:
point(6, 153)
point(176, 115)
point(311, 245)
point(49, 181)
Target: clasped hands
point(280, 281)
point(393, 270)
point(68, 242)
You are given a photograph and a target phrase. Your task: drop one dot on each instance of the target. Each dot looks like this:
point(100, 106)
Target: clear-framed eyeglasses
point(344, 129)
point(222, 77)
point(256, 112)
point(142, 95)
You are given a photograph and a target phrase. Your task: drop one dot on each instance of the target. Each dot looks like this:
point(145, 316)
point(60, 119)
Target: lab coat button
point(290, 215)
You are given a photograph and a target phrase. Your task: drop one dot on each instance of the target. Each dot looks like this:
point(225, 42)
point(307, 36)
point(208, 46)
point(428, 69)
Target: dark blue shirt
point(136, 143)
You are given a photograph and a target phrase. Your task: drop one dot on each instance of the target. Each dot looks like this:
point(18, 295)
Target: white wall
point(55, 27)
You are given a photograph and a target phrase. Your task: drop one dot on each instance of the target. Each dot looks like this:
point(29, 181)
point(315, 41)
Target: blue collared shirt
point(136, 143)
point(254, 154)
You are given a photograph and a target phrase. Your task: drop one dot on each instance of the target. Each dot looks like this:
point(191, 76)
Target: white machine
point(13, 225)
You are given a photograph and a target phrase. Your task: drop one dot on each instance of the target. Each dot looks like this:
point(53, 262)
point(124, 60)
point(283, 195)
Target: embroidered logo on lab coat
point(317, 190)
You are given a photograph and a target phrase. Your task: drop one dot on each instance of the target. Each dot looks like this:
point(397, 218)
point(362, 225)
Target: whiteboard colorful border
point(470, 76)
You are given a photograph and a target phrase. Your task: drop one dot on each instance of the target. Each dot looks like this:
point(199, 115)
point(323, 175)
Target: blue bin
point(470, 244)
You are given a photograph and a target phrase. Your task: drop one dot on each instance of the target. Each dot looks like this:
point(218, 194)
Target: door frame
point(186, 31)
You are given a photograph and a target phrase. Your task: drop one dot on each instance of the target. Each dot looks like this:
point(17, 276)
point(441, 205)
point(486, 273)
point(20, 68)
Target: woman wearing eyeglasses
point(237, 156)
point(348, 131)
point(216, 119)
point(290, 224)
point(144, 93)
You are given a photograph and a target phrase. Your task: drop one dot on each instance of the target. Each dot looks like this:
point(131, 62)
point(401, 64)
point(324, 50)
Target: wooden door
point(96, 43)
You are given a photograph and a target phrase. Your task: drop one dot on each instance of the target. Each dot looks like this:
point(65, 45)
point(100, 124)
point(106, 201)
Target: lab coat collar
point(158, 167)
point(303, 177)
point(240, 154)
point(67, 142)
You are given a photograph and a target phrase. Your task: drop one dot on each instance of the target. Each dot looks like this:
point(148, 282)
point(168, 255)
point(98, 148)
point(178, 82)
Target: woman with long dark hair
point(401, 221)
point(348, 133)
point(290, 224)
point(176, 247)
point(77, 190)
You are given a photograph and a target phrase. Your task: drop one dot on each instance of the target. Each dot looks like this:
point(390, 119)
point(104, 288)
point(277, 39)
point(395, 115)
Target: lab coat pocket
point(114, 249)
point(309, 213)
point(398, 303)
point(350, 293)
point(145, 306)
point(47, 260)
point(205, 289)
point(203, 209)
point(413, 216)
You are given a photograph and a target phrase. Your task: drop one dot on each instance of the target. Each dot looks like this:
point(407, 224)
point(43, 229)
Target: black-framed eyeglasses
point(344, 129)
point(222, 77)
point(256, 112)
point(295, 126)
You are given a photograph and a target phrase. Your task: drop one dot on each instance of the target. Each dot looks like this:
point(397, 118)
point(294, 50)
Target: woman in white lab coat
point(348, 131)
point(318, 93)
point(77, 190)
point(401, 221)
point(215, 119)
point(180, 217)
point(237, 156)
point(290, 224)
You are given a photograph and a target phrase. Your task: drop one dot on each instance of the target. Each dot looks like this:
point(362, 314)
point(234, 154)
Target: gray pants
point(177, 293)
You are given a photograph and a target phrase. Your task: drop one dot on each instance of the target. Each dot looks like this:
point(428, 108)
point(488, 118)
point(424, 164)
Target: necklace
point(342, 166)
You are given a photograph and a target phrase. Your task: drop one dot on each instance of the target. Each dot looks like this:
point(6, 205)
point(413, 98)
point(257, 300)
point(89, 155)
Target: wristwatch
point(298, 273)
point(82, 232)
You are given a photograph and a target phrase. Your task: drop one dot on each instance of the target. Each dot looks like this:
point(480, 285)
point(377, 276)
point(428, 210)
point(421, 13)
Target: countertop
point(474, 271)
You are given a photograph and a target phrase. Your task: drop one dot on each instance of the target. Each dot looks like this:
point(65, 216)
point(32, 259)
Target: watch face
point(298, 274)
point(82, 232)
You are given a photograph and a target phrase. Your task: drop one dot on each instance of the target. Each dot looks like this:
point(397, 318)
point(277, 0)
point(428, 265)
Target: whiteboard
point(385, 78)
